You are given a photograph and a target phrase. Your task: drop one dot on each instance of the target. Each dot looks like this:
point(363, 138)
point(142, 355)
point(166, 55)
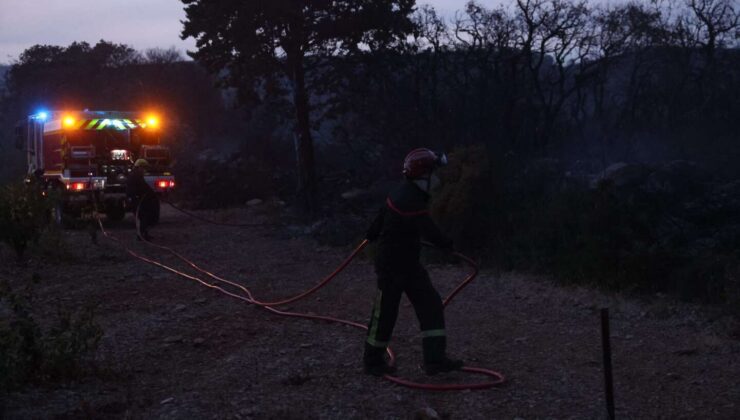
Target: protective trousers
point(145, 214)
point(415, 282)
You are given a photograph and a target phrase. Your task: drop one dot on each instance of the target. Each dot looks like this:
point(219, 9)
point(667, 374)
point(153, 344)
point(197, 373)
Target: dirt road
point(174, 349)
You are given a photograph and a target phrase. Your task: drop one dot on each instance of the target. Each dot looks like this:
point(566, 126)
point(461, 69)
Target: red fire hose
point(497, 378)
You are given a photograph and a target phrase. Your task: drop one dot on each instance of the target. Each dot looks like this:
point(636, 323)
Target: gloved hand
point(374, 231)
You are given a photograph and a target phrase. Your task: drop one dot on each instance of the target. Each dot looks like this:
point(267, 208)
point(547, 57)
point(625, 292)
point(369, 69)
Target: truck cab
point(86, 157)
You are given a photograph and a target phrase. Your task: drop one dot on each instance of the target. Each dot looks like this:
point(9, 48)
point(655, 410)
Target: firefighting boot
point(143, 235)
point(435, 356)
point(374, 363)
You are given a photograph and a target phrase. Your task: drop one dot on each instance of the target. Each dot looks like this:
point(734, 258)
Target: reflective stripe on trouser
point(434, 333)
point(372, 334)
point(425, 299)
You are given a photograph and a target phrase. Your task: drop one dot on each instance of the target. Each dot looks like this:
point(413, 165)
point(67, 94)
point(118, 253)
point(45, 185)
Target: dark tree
point(66, 76)
point(716, 23)
point(163, 56)
point(254, 45)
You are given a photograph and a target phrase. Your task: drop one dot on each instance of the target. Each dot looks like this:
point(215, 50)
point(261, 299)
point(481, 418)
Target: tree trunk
point(303, 140)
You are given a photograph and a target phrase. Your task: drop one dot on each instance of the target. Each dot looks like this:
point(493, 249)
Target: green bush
point(19, 338)
point(29, 353)
point(596, 237)
point(525, 215)
point(66, 345)
point(24, 214)
point(462, 204)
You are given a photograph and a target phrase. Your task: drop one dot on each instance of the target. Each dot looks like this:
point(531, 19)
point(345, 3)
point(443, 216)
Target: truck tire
point(64, 218)
point(57, 214)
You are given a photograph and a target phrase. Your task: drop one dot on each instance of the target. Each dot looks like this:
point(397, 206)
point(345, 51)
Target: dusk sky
point(140, 23)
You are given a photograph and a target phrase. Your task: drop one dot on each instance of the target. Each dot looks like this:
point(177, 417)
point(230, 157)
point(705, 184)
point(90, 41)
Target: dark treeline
point(595, 142)
point(561, 79)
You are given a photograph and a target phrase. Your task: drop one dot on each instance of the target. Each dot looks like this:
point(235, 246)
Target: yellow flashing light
point(69, 122)
point(152, 121)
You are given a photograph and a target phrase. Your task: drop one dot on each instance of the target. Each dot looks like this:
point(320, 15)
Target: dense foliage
point(29, 352)
point(24, 214)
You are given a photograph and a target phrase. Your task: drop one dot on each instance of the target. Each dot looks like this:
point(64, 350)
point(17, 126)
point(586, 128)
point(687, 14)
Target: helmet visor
point(442, 160)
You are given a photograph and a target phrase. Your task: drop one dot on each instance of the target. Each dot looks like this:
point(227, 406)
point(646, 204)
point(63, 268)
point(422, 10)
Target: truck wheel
point(64, 219)
point(57, 215)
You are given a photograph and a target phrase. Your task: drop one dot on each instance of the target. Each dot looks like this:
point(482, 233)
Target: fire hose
point(496, 378)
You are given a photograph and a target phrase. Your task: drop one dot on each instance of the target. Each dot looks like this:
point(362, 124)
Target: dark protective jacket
point(140, 192)
point(400, 226)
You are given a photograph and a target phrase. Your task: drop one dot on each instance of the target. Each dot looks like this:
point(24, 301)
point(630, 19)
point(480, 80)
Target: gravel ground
point(175, 349)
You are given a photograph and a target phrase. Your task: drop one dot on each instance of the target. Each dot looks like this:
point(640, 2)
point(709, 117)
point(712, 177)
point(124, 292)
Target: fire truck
point(85, 157)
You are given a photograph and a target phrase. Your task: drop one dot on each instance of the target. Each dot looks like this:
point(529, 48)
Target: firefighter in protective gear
point(398, 230)
point(142, 198)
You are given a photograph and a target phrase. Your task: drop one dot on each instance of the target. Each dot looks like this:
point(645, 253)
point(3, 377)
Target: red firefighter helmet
point(420, 162)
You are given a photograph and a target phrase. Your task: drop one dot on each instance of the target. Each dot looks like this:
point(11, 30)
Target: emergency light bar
point(104, 123)
point(96, 120)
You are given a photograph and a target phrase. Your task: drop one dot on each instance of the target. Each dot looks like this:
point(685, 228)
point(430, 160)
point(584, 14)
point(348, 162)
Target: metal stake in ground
point(606, 345)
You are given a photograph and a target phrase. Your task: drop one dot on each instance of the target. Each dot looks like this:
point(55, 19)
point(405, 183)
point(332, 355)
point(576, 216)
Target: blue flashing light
point(41, 116)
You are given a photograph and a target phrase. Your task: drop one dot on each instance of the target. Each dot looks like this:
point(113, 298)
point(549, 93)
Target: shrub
point(24, 214)
point(599, 237)
point(29, 353)
point(528, 215)
point(19, 338)
point(462, 205)
point(69, 342)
